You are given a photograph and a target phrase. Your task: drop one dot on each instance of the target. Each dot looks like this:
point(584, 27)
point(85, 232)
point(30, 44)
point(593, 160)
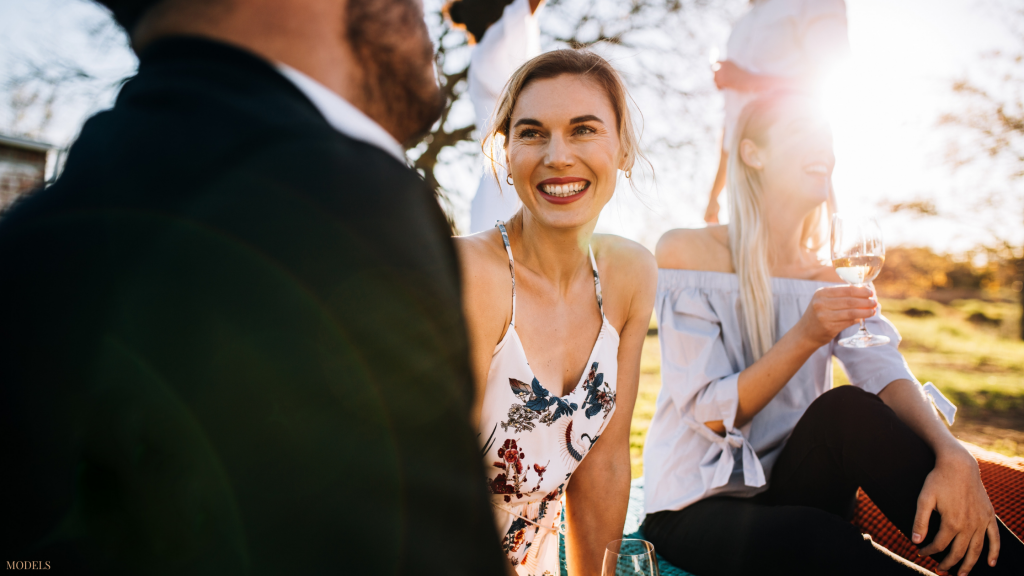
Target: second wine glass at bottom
point(630, 557)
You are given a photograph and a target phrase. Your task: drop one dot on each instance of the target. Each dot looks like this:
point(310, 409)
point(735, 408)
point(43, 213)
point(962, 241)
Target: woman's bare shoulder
point(705, 249)
point(629, 277)
point(624, 258)
point(483, 260)
point(622, 252)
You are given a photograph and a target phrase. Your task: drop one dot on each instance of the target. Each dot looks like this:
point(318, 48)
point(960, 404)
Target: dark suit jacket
point(232, 343)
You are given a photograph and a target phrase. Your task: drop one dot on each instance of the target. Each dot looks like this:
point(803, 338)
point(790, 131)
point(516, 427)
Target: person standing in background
point(506, 36)
point(777, 44)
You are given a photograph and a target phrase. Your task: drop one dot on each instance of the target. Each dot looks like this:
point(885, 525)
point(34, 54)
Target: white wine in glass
point(857, 255)
point(630, 557)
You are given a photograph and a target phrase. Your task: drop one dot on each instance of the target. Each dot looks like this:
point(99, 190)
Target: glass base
point(864, 340)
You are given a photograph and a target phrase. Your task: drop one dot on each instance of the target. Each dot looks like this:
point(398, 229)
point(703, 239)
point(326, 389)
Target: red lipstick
point(563, 197)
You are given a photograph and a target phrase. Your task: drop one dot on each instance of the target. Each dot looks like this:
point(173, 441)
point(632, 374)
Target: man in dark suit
point(232, 339)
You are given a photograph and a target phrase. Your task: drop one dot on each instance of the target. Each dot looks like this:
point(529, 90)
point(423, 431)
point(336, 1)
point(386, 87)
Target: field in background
point(966, 348)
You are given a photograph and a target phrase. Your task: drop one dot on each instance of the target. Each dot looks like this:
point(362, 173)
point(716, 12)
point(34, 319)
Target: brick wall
point(20, 171)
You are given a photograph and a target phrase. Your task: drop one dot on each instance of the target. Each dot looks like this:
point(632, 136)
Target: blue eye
point(581, 130)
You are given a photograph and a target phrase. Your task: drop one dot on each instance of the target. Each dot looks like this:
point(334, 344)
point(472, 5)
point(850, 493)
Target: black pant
point(847, 439)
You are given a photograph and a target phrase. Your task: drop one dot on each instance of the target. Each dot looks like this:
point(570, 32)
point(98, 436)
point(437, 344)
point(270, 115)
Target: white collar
point(342, 115)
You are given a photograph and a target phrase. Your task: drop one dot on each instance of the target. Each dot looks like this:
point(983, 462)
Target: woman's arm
point(953, 488)
point(729, 75)
point(486, 303)
point(598, 495)
point(832, 310)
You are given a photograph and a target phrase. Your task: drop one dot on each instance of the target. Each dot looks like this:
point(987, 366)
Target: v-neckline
point(586, 369)
point(512, 324)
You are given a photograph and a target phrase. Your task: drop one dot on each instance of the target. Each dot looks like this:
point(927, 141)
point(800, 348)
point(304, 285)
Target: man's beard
point(390, 39)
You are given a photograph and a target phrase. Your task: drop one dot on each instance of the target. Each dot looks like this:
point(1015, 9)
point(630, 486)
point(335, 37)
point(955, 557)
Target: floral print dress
point(532, 441)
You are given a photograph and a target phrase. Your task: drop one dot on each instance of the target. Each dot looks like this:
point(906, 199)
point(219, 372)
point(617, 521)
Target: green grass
point(978, 365)
point(647, 395)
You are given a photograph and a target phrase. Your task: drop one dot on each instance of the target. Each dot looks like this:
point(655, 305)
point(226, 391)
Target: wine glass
point(857, 255)
point(630, 557)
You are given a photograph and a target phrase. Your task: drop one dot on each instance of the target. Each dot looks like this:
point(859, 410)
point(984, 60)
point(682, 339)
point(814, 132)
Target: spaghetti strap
point(512, 268)
point(597, 282)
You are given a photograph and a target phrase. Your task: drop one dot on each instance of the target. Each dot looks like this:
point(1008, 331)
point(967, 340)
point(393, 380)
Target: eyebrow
point(576, 120)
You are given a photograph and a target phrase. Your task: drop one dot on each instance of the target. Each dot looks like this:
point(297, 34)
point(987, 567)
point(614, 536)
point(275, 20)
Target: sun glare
point(882, 113)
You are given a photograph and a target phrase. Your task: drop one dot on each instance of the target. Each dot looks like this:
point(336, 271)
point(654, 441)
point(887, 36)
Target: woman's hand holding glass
point(834, 309)
point(857, 256)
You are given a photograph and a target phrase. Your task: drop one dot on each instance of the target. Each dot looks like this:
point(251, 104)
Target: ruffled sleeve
point(872, 369)
point(701, 375)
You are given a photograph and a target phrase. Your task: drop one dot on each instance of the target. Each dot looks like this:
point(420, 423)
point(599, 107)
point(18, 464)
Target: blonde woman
point(557, 316)
point(752, 463)
point(775, 45)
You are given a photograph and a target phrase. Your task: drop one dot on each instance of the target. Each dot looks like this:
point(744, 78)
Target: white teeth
point(563, 190)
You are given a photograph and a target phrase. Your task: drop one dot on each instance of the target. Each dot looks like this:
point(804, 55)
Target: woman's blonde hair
point(552, 64)
point(748, 233)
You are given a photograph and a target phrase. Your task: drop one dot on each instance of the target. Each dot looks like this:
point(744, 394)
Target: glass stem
point(863, 329)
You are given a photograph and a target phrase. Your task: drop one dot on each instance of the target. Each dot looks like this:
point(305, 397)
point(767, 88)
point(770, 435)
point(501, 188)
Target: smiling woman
point(565, 374)
point(750, 448)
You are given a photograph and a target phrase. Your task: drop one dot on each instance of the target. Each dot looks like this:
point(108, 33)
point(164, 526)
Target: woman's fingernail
point(992, 563)
point(916, 538)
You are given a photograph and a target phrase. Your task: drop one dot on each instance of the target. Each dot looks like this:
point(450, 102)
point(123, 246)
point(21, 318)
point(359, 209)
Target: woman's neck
point(555, 254)
point(787, 254)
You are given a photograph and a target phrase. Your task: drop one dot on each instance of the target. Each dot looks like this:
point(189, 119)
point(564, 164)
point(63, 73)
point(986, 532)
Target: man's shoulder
point(336, 170)
point(705, 249)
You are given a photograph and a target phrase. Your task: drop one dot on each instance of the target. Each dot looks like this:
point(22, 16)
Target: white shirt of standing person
point(786, 38)
point(505, 46)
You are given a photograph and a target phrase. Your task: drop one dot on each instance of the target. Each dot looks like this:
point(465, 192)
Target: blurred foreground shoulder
point(702, 249)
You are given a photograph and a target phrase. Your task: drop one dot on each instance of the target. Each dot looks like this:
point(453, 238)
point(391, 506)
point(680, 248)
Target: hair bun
point(475, 16)
point(456, 12)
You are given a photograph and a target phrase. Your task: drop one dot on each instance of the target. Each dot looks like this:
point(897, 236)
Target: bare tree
point(991, 115)
point(660, 46)
point(43, 80)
